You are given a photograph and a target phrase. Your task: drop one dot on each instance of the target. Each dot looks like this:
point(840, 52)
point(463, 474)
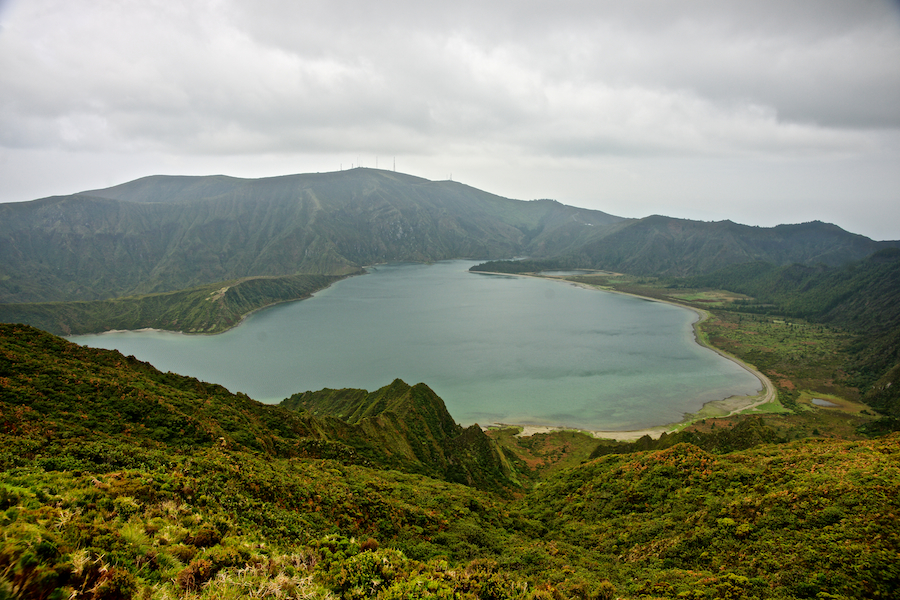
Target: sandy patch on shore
point(726, 407)
point(621, 436)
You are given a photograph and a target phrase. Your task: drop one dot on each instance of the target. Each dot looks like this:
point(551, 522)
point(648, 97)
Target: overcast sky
point(758, 111)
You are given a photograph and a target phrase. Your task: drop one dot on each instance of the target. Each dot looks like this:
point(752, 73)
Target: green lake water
point(495, 348)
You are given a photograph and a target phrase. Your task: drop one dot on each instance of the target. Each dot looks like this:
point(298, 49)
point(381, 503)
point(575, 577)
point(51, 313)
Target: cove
point(496, 348)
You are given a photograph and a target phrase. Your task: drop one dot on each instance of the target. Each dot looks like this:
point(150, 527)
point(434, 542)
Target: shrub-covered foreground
point(807, 520)
point(111, 509)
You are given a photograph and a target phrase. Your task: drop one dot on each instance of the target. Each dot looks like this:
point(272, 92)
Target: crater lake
point(497, 349)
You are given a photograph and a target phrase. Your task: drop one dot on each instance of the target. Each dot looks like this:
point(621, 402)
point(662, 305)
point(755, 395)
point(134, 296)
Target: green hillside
point(806, 520)
point(662, 246)
point(161, 234)
point(860, 297)
point(211, 308)
point(118, 481)
point(63, 385)
point(409, 428)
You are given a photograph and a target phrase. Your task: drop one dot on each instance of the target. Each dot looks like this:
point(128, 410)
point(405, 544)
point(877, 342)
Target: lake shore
point(717, 408)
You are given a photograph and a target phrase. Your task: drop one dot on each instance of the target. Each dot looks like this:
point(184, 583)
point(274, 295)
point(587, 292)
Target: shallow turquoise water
point(495, 348)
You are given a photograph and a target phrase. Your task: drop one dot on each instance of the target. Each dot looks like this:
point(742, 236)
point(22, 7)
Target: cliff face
point(408, 427)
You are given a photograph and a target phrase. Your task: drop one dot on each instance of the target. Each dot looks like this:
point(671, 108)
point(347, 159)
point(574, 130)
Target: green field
point(802, 359)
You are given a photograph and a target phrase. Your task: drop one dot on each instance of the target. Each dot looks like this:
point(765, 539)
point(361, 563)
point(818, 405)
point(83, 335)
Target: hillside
point(118, 481)
point(409, 428)
point(211, 308)
point(663, 246)
point(772, 520)
point(161, 234)
point(860, 297)
point(104, 391)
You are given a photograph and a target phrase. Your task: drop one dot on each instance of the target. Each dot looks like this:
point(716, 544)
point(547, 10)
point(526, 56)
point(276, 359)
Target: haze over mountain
point(161, 233)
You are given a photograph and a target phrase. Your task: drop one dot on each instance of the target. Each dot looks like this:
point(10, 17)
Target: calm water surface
point(495, 348)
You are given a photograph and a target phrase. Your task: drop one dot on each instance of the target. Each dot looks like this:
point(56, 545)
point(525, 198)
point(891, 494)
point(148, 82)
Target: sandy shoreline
point(717, 408)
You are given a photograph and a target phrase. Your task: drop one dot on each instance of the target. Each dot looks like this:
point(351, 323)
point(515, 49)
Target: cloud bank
point(761, 112)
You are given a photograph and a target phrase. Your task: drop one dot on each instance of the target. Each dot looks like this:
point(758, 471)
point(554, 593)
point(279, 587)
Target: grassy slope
point(162, 234)
point(811, 517)
point(409, 428)
point(115, 482)
point(207, 309)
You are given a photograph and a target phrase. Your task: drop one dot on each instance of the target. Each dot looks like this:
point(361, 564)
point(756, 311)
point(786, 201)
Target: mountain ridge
point(410, 427)
point(663, 246)
point(88, 247)
point(167, 233)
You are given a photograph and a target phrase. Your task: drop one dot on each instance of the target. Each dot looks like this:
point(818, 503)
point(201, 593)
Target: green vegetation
point(164, 234)
point(207, 309)
point(822, 330)
point(771, 521)
point(409, 428)
point(795, 355)
point(539, 454)
point(747, 433)
point(118, 481)
point(860, 298)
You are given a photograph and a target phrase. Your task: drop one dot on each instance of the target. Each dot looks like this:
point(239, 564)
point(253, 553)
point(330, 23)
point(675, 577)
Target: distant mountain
point(659, 245)
point(160, 233)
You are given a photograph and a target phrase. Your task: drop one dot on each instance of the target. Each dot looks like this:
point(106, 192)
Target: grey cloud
point(569, 83)
point(447, 70)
